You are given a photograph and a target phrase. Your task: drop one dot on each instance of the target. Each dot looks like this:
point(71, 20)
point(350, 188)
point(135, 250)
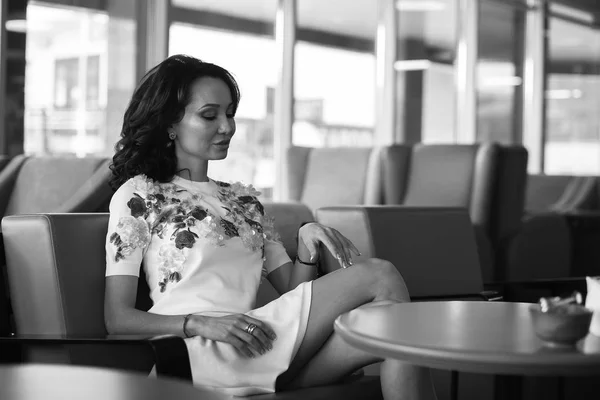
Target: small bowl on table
point(561, 326)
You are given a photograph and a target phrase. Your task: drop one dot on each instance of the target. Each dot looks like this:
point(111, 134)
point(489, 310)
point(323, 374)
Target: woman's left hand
point(313, 234)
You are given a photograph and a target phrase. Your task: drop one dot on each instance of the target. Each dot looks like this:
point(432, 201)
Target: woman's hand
point(313, 234)
point(248, 335)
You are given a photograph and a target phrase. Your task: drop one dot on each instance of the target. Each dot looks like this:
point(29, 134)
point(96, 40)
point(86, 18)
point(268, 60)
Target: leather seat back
point(45, 184)
point(433, 248)
point(56, 266)
point(319, 177)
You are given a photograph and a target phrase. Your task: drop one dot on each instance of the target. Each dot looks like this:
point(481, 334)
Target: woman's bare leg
point(323, 357)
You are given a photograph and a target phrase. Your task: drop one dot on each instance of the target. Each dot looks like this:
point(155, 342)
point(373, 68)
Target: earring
point(172, 135)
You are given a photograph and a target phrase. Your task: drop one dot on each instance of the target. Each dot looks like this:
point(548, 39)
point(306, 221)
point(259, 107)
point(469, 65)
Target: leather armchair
point(450, 176)
point(49, 184)
point(55, 266)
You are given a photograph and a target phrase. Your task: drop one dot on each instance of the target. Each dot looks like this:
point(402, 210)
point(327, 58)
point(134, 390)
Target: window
point(425, 70)
point(334, 102)
point(500, 72)
point(572, 142)
point(67, 83)
point(92, 89)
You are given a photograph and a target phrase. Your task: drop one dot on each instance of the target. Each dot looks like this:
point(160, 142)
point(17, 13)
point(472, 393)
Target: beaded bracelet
point(185, 321)
point(305, 263)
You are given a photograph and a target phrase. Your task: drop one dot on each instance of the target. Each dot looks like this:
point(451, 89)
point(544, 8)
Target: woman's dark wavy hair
point(158, 102)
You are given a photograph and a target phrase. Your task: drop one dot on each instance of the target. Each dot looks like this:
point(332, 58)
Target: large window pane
point(69, 77)
point(251, 60)
point(572, 99)
point(500, 72)
point(334, 76)
point(425, 70)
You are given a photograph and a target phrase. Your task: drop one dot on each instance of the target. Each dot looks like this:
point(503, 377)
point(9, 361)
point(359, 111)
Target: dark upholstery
point(571, 203)
point(330, 176)
point(543, 191)
point(508, 194)
point(433, 248)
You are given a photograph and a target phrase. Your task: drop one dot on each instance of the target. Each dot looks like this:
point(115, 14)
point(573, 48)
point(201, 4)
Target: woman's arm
point(304, 268)
point(121, 317)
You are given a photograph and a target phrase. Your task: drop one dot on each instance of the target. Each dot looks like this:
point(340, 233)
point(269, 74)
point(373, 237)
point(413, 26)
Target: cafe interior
point(457, 139)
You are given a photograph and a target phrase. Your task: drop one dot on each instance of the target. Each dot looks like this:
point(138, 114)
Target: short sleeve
point(128, 233)
point(275, 253)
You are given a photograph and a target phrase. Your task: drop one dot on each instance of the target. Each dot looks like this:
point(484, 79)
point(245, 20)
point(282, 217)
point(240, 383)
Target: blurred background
point(314, 73)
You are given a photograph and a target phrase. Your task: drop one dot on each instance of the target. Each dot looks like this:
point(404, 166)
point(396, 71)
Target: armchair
point(56, 277)
point(49, 184)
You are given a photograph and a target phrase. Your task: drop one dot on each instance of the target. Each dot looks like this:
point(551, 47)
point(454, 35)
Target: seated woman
point(206, 245)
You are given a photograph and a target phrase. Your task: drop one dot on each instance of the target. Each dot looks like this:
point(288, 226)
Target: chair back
point(447, 176)
point(56, 268)
point(433, 248)
point(543, 191)
point(45, 184)
point(320, 177)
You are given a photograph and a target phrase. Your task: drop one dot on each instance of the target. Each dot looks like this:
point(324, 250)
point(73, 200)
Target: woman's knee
point(388, 282)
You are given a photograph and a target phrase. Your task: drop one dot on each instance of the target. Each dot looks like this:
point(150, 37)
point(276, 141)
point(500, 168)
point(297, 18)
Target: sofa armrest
point(169, 352)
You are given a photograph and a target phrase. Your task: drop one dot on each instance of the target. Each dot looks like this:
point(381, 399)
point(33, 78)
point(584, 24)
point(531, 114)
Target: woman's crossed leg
point(324, 358)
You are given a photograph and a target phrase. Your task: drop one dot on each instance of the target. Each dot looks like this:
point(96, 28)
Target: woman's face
point(207, 126)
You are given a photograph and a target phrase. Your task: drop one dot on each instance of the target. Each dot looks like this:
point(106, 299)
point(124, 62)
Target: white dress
point(205, 247)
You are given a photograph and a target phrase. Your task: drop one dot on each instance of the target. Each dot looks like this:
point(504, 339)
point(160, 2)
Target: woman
point(206, 245)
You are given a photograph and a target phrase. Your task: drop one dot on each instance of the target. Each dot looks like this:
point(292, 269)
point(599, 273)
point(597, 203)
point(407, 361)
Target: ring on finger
point(250, 328)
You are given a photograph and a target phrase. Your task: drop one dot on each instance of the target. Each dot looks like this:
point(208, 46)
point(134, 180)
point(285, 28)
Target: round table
point(469, 336)
point(68, 382)
point(466, 336)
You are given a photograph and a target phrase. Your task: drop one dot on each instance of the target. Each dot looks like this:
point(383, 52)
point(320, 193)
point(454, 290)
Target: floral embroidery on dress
point(158, 208)
point(131, 233)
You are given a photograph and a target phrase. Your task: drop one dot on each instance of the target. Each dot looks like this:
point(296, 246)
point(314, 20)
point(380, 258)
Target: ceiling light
point(420, 5)
point(16, 25)
point(411, 65)
point(563, 94)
